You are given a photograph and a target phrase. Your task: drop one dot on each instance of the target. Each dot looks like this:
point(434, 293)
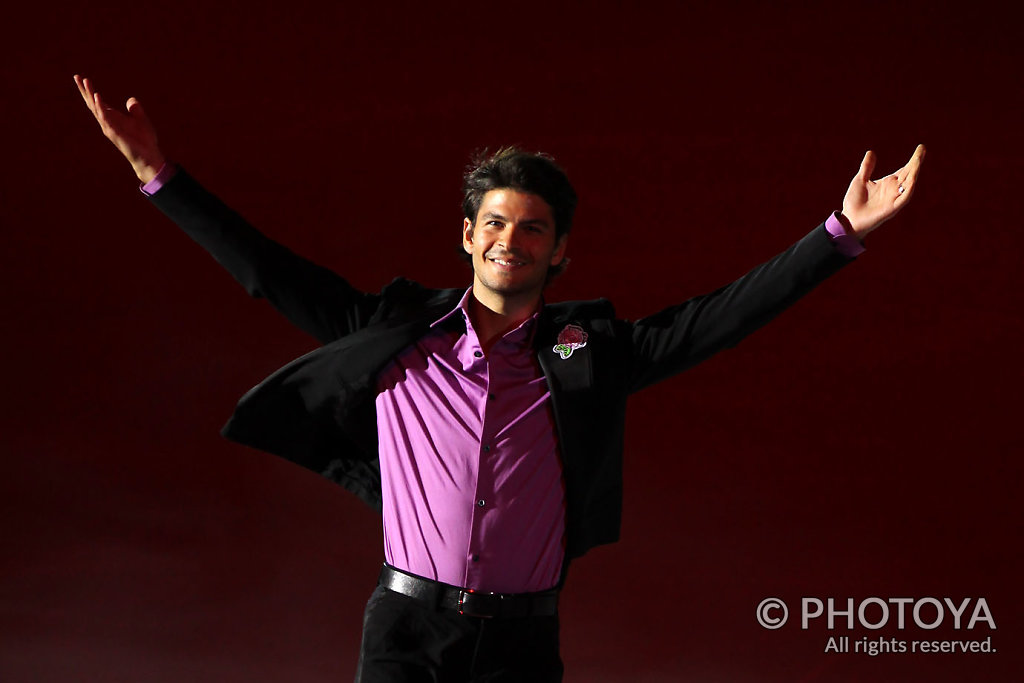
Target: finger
point(918, 156)
point(93, 94)
point(102, 111)
point(892, 185)
point(102, 106)
point(910, 170)
point(914, 165)
point(904, 196)
point(867, 166)
point(81, 88)
point(85, 90)
point(134, 108)
point(906, 188)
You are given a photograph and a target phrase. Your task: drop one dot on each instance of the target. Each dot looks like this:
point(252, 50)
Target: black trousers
point(405, 641)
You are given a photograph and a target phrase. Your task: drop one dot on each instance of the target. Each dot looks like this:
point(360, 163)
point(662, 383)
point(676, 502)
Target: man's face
point(512, 244)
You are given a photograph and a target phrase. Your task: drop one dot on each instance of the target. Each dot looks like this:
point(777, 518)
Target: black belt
point(467, 602)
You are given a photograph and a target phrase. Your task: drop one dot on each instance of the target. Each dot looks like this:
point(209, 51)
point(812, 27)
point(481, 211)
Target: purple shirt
point(845, 243)
point(165, 173)
point(471, 476)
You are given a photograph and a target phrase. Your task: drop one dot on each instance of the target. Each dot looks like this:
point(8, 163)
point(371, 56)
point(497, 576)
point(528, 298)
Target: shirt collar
point(521, 336)
point(460, 312)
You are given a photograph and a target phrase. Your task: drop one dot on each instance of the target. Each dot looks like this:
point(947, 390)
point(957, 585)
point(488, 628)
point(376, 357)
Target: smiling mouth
point(506, 262)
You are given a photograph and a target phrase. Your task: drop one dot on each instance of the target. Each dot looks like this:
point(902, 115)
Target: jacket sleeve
point(313, 298)
point(682, 336)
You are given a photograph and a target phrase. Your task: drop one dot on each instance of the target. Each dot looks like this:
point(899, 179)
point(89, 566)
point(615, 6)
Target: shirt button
point(476, 558)
point(478, 354)
point(481, 503)
point(486, 448)
point(491, 396)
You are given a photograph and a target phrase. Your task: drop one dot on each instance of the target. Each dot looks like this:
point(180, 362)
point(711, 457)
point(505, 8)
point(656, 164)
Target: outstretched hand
point(869, 203)
point(129, 130)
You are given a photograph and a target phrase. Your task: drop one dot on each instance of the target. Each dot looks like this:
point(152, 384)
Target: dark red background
point(865, 444)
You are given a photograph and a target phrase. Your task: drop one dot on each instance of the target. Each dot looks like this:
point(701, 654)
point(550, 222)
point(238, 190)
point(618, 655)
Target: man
point(485, 423)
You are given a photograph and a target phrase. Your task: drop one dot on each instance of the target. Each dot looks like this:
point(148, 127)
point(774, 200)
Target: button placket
point(484, 476)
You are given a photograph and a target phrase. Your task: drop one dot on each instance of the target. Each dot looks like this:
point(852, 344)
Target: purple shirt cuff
point(165, 173)
point(847, 244)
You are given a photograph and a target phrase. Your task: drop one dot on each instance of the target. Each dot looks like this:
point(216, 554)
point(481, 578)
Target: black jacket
point(319, 410)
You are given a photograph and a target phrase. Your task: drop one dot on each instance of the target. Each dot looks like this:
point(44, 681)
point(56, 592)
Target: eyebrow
point(492, 215)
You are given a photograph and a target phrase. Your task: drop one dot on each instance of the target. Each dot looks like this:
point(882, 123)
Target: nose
point(510, 236)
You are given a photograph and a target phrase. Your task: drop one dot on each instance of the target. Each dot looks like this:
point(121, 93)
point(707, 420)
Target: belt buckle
point(480, 604)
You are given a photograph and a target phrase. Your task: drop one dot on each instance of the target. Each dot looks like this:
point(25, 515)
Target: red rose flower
point(572, 335)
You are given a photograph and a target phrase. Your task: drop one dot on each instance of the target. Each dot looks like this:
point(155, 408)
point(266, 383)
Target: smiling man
point(485, 424)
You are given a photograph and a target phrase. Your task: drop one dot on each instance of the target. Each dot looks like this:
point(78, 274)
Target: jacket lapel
point(565, 375)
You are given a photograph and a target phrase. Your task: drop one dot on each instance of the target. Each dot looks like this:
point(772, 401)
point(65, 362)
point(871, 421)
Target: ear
point(467, 235)
point(559, 253)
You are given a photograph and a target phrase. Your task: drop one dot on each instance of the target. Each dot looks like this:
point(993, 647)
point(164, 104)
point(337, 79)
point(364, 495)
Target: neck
point(493, 316)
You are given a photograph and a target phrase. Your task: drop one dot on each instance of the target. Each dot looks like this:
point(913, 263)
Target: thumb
point(134, 108)
point(867, 166)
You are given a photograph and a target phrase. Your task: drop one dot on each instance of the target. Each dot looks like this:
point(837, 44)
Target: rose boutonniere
point(569, 339)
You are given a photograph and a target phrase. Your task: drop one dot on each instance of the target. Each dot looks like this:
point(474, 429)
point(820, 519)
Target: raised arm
point(313, 298)
point(682, 336)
